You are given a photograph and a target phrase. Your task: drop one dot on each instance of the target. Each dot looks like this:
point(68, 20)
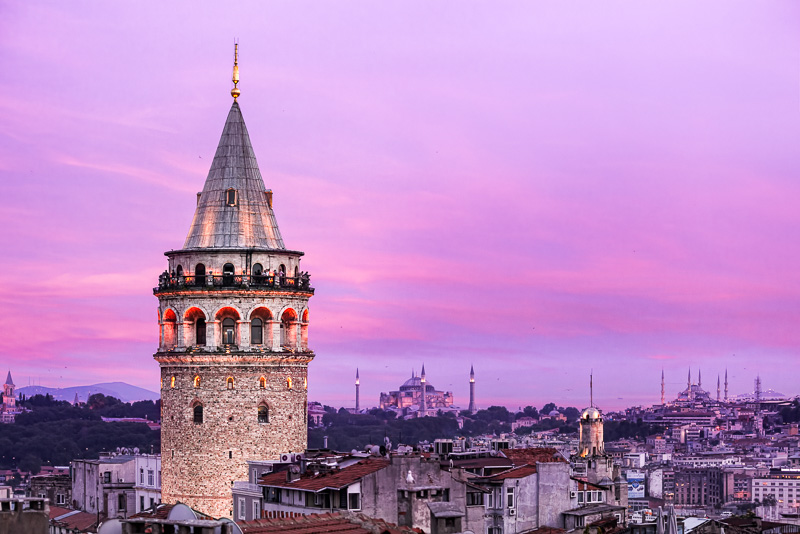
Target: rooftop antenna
point(235, 92)
point(591, 389)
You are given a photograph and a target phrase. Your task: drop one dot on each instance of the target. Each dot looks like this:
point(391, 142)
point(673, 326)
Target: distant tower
point(758, 388)
point(423, 404)
point(717, 388)
point(358, 385)
point(699, 379)
point(663, 397)
point(689, 384)
point(233, 348)
point(591, 438)
point(472, 408)
point(9, 399)
point(726, 385)
point(76, 401)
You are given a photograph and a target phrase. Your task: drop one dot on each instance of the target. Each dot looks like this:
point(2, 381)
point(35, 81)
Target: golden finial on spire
point(235, 92)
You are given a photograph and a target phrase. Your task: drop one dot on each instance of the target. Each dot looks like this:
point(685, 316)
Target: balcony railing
point(234, 281)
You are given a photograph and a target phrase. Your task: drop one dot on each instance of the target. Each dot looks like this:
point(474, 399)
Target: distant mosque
point(419, 396)
point(694, 393)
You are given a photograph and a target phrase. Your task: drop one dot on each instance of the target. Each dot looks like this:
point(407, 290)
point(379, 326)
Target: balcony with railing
point(169, 282)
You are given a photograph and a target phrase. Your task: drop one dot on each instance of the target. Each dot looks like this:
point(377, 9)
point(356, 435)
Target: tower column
point(276, 335)
point(213, 335)
point(244, 333)
point(182, 333)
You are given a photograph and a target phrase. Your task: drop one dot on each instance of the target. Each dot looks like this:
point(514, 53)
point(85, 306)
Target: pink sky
point(534, 188)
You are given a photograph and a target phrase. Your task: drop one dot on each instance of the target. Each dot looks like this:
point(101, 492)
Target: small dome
point(554, 413)
point(590, 413)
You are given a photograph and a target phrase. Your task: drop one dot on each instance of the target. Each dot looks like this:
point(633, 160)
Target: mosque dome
point(415, 383)
point(590, 413)
point(554, 413)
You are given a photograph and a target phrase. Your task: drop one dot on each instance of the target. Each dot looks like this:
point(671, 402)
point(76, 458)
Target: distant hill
point(121, 390)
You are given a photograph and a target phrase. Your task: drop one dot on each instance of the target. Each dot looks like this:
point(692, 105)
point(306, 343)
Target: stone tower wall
point(200, 461)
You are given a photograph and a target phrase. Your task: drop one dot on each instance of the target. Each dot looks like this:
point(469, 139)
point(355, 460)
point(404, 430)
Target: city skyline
point(536, 191)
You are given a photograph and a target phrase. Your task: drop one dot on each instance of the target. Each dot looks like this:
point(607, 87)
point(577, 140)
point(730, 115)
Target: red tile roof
point(77, 521)
point(533, 455)
point(334, 480)
point(339, 523)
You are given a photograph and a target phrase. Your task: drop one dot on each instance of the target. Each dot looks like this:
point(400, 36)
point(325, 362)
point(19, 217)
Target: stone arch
point(169, 329)
point(194, 326)
point(262, 382)
point(304, 330)
point(229, 319)
point(288, 319)
point(230, 383)
point(197, 410)
point(261, 320)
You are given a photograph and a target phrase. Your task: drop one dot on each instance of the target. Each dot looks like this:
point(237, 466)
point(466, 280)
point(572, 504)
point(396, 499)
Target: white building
point(147, 490)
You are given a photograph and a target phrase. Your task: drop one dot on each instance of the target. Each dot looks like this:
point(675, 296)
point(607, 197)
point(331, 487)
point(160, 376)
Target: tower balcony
point(168, 282)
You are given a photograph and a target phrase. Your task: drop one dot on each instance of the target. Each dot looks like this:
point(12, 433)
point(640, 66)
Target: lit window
point(305, 383)
point(289, 382)
point(256, 331)
point(230, 197)
point(263, 414)
point(197, 381)
point(262, 383)
point(172, 382)
point(229, 382)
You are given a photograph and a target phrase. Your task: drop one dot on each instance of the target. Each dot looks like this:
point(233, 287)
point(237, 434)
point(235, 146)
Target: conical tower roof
point(234, 210)
point(8, 379)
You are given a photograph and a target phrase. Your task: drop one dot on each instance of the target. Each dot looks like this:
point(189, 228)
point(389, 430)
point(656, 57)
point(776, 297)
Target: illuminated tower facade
point(472, 408)
point(233, 347)
point(9, 397)
point(358, 385)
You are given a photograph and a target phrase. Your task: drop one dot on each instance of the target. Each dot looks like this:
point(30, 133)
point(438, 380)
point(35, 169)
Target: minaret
point(358, 385)
point(717, 388)
point(663, 397)
point(233, 325)
point(699, 379)
point(726, 385)
point(423, 403)
point(472, 408)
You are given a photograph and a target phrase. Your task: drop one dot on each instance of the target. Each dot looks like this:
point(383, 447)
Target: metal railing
point(256, 281)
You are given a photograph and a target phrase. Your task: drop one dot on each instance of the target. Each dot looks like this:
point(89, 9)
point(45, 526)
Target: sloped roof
point(533, 455)
point(517, 472)
point(334, 480)
point(250, 223)
point(340, 523)
point(72, 519)
point(8, 380)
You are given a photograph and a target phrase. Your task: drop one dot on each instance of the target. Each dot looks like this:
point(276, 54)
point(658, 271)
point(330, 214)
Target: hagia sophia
point(409, 399)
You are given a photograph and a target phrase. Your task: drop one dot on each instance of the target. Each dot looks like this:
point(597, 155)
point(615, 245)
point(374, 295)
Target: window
point(230, 197)
point(474, 498)
point(198, 414)
point(197, 381)
point(229, 382)
point(256, 331)
point(256, 510)
point(200, 274)
point(141, 504)
point(121, 502)
point(200, 331)
point(258, 273)
point(228, 331)
point(580, 497)
point(151, 477)
point(263, 414)
point(141, 476)
point(61, 498)
point(227, 274)
point(107, 477)
point(289, 382)
point(510, 497)
point(152, 502)
point(172, 382)
point(179, 271)
point(262, 383)
point(354, 501)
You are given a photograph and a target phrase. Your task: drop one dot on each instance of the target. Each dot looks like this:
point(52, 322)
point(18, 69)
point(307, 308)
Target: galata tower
point(233, 322)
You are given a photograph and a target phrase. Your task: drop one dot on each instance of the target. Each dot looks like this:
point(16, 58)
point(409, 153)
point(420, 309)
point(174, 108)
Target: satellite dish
point(136, 450)
point(111, 526)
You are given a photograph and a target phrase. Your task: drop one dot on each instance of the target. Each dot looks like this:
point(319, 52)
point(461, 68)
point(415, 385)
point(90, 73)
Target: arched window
point(289, 382)
point(305, 383)
point(227, 274)
point(179, 271)
point(228, 331)
point(256, 331)
point(296, 272)
point(258, 273)
point(172, 382)
point(230, 197)
point(197, 381)
point(262, 383)
point(263, 414)
point(229, 382)
point(200, 331)
point(199, 274)
point(197, 415)
point(282, 270)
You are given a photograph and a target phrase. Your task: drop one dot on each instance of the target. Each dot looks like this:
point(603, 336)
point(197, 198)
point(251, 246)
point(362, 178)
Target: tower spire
point(235, 92)
point(423, 405)
point(591, 389)
point(358, 386)
point(726, 385)
point(717, 388)
point(689, 379)
point(472, 408)
point(663, 398)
